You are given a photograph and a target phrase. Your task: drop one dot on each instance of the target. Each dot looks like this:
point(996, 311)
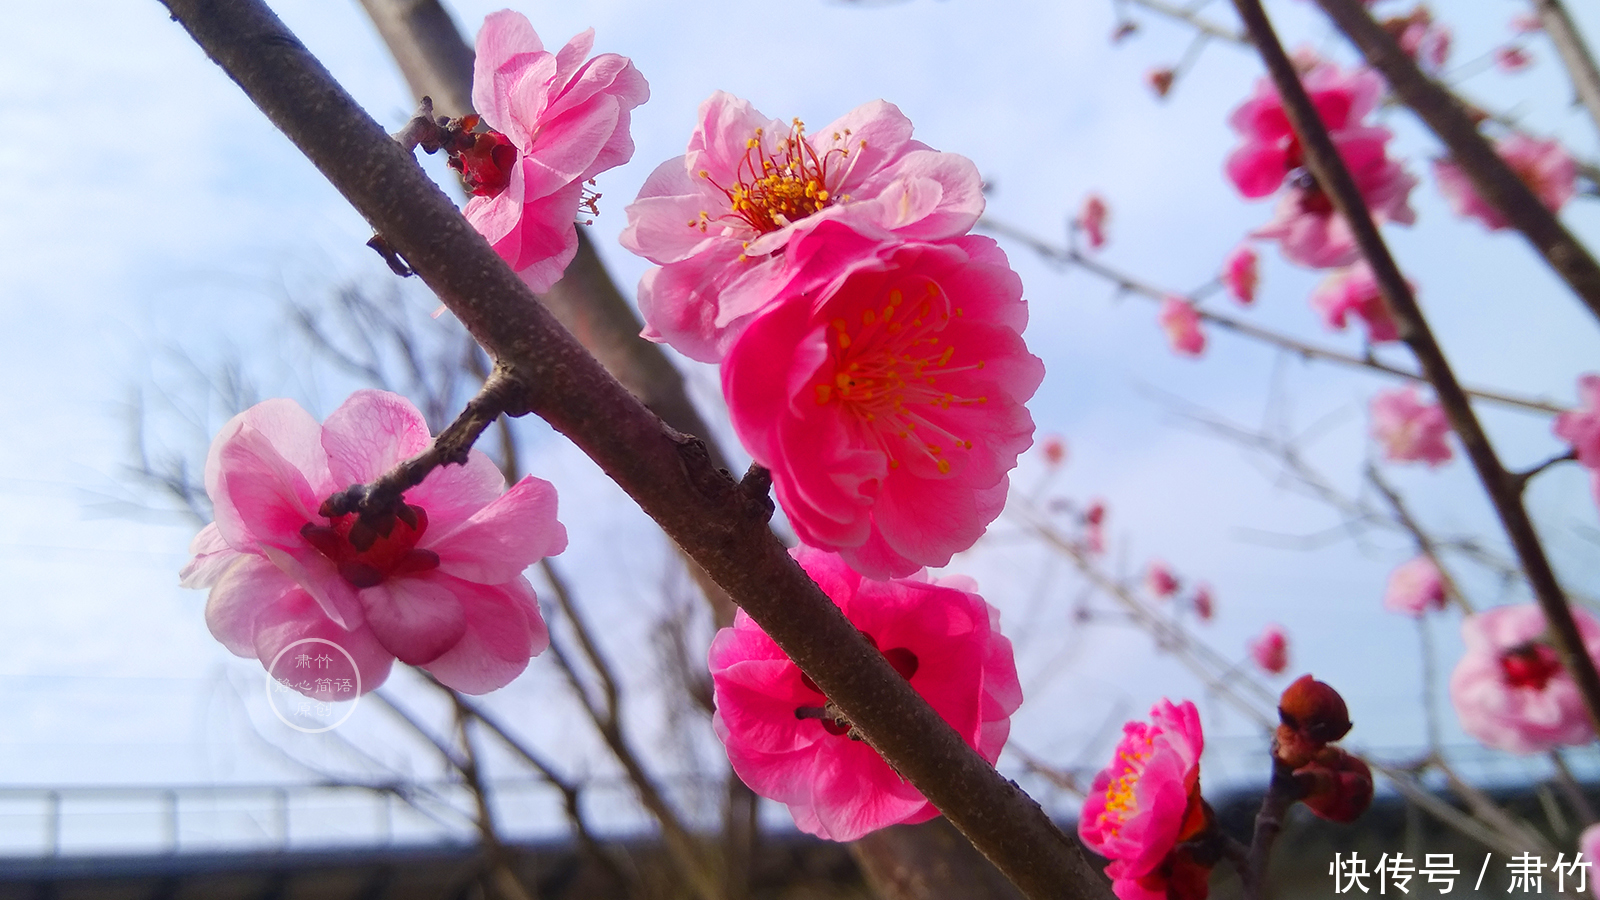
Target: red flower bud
point(1160, 80)
point(1339, 786)
point(1311, 716)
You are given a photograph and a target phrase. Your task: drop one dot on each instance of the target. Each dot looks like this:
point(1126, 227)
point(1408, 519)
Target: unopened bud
point(1338, 785)
point(1160, 81)
point(1311, 715)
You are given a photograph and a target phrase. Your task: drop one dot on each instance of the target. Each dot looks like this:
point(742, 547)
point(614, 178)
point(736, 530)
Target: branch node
point(396, 263)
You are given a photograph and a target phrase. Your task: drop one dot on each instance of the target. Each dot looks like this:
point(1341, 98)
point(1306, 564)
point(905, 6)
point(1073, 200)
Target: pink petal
point(238, 598)
point(371, 433)
point(503, 631)
point(504, 538)
point(416, 619)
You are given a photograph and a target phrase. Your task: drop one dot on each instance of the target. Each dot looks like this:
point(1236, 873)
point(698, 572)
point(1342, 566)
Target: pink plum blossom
point(1240, 274)
point(442, 588)
point(1415, 587)
point(1512, 58)
point(566, 120)
point(787, 742)
point(718, 220)
point(1510, 690)
point(1093, 220)
point(1270, 649)
point(1204, 603)
point(1526, 23)
point(1544, 166)
point(1410, 430)
point(1589, 842)
point(1159, 580)
point(884, 391)
point(1181, 321)
point(1148, 800)
point(1355, 291)
point(1422, 39)
point(1581, 428)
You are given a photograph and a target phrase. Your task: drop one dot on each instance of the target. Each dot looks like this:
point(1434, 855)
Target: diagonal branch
point(1330, 172)
point(719, 523)
point(1491, 177)
point(1574, 54)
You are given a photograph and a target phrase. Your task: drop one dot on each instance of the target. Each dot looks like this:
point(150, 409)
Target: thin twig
point(1193, 20)
point(1330, 172)
point(1574, 53)
point(1424, 541)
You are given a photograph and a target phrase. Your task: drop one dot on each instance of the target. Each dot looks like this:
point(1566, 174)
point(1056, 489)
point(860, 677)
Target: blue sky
point(154, 214)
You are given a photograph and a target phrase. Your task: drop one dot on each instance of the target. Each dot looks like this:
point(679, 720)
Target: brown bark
point(931, 861)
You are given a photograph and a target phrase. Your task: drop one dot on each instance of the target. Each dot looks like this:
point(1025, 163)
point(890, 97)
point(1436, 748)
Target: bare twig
point(1491, 176)
point(1424, 541)
point(1520, 480)
point(1574, 53)
point(1193, 20)
point(1329, 170)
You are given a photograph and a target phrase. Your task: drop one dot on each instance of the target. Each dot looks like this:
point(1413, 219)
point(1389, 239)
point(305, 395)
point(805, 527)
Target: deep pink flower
point(1544, 166)
point(1581, 428)
point(1512, 58)
point(884, 391)
point(717, 220)
point(1410, 430)
point(1510, 690)
point(1148, 799)
point(1093, 220)
point(785, 742)
point(1159, 580)
point(1239, 273)
point(1355, 290)
point(1415, 587)
point(1181, 321)
point(567, 121)
point(1270, 649)
point(1271, 151)
point(1308, 229)
point(442, 589)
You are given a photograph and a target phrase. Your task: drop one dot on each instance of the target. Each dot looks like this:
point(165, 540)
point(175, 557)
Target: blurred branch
point(1492, 178)
point(1574, 53)
point(1072, 257)
point(1424, 541)
point(1330, 172)
point(1192, 19)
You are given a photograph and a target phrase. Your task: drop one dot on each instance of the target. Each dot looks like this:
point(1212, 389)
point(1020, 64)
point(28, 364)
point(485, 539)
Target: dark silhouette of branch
point(1330, 172)
point(1452, 123)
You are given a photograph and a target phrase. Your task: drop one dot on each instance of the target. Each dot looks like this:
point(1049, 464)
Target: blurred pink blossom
point(1270, 649)
point(718, 220)
point(1410, 430)
point(884, 391)
point(1415, 586)
point(1093, 220)
point(1094, 519)
point(788, 744)
point(441, 588)
point(567, 120)
point(1147, 801)
point(1270, 151)
point(1355, 290)
point(1239, 273)
point(1422, 39)
point(1510, 690)
point(1526, 23)
point(1589, 842)
point(1581, 428)
point(1159, 580)
point(1055, 450)
point(1544, 166)
point(1181, 321)
point(1204, 603)
point(1512, 58)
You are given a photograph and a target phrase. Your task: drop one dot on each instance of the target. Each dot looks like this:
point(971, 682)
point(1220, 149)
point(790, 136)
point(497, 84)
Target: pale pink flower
point(1148, 800)
point(1410, 430)
point(1415, 587)
point(1093, 220)
point(1181, 321)
point(884, 391)
point(1270, 649)
point(787, 743)
point(1422, 39)
point(1240, 274)
point(1354, 290)
point(1581, 428)
point(442, 588)
point(567, 121)
point(1512, 58)
point(1526, 23)
point(1159, 580)
point(718, 219)
point(1510, 690)
point(1544, 166)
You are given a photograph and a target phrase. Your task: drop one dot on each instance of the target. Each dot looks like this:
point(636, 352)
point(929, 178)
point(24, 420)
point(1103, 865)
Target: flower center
point(832, 719)
point(772, 190)
point(1530, 665)
point(1120, 799)
point(484, 159)
point(885, 372)
point(365, 555)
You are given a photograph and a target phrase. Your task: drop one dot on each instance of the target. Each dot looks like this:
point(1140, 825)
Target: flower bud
point(1311, 715)
point(1339, 786)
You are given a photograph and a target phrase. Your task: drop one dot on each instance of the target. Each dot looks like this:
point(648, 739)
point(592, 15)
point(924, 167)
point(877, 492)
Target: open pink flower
point(1510, 690)
point(1581, 428)
point(1159, 580)
point(558, 121)
point(1181, 321)
point(1093, 220)
point(1410, 430)
point(1240, 275)
point(884, 391)
point(1415, 587)
point(1148, 799)
point(1310, 232)
point(1270, 649)
point(1544, 166)
point(1355, 291)
point(787, 742)
point(717, 220)
point(1270, 151)
point(441, 588)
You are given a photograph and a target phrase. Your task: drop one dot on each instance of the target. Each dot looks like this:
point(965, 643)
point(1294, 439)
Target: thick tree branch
point(719, 524)
point(1491, 177)
point(1330, 172)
